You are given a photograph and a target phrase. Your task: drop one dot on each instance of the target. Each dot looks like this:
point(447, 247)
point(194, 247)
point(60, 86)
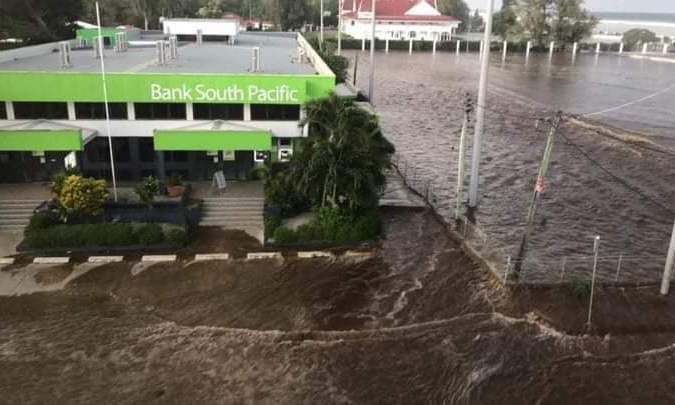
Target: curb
point(105, 259)
point(264, 255)
point(6, 260)
point(158, 258)
point(51, 260)
point(212, 257)
point(314, 254)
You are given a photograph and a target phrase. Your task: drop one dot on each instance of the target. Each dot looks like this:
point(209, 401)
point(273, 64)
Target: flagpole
point(105, 100)
point(339, 49)
point(371, 86)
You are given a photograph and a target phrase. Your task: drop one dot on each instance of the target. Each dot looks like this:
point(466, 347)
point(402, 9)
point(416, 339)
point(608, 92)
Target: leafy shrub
point(60, 178)
point(579, 289)
point(73, 236)
point(342, 225)
point(272, 222)
point(82, 196)
point(147, 190)
point(176, 237)
point(285, 235)
point(150, 234)
point(42, 220)
point(309, 232)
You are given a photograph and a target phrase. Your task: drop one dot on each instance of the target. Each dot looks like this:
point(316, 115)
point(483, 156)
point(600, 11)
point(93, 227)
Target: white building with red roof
point(397, 20)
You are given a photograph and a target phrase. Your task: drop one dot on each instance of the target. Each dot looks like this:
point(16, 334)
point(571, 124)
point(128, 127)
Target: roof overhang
point(212, 136)
point(44, 136)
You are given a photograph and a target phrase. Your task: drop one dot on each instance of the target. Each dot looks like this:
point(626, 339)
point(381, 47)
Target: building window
point(275, 112)
point(96, 111)
point(175, 156)
point(40, 110)
point(98, 152)
point(160, 111)
point(445, 36)
point(218, 112)
point(3, 111)
point(411, 34)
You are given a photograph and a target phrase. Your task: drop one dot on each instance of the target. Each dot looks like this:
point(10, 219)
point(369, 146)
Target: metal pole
point(371, 84)
point(668, 270)
point(458, 46)
point(468, 108)
point(339, 49)
point(105, 101)
point(596, 248)
point(538, 189)
point(505, 50)
point(321, 34)
point(480, 117)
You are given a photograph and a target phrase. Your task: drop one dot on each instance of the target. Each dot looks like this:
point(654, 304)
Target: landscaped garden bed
point(337, 173)
point(83, 218)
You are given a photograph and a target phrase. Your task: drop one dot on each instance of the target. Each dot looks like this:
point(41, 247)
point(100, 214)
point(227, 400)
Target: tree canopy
point(638, 36)
point(36, 21)
point(563, 21)
point(456, 8)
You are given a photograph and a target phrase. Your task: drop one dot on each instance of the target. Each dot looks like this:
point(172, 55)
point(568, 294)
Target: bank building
point(195, 98)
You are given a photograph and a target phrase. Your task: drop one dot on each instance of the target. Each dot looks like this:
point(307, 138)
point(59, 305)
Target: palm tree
point(343, 161)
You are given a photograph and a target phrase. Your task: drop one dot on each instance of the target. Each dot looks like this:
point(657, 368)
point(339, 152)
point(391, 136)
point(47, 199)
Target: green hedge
point(99, 235)
point(335, 226)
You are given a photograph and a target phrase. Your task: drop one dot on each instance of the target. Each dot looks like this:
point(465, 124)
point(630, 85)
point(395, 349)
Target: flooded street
point(597, 185)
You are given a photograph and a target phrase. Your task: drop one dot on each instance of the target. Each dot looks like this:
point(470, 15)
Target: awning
point(42, 135)
point(212, 136)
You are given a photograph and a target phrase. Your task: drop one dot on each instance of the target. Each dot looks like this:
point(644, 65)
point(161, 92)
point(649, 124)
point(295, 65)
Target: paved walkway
point(25, 191)
point(8, 242)
point(397, 194)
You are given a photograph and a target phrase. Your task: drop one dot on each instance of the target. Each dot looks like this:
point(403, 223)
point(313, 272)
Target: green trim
point(40, 140)
point(158, 87)
point(208, 140)
point(89, 34)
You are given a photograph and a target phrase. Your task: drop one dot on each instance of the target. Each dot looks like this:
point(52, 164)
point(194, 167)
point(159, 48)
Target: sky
point(642, 6)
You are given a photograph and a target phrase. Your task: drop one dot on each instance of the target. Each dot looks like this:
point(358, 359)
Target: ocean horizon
point(619, 22)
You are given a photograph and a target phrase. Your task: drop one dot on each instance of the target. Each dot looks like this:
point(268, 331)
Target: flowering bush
point(82, 196)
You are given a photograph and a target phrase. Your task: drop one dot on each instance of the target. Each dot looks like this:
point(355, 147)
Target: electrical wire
point(615, 177)
point(622, 106)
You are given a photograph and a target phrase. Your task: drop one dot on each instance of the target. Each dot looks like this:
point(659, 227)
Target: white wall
point(208, 27)
point(145, 128)
point(398, 31)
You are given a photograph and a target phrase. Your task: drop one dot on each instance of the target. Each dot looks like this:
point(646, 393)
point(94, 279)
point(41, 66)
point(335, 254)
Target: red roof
point(392, 10)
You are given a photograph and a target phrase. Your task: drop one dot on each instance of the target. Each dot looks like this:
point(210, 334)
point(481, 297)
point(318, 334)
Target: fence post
point(386, 45)
point(458, 46)
point(433, 52)
point(596, 248)
point(363, 43)
point(621, 48)
point(618, 269)
point(410, 46)
point(562, 273)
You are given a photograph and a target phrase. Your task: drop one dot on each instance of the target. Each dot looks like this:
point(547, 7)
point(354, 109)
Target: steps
point(15, 214)
point(233, 212)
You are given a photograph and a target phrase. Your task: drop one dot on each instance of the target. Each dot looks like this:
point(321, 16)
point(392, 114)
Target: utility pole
point(321, 34)
point(538, 188)
point(461, 170)
point(668, 270)
point(371, 85)
point(340, 5)
point(480, 116)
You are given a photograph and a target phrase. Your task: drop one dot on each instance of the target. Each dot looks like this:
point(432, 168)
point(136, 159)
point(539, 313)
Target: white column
point(527, 51)
point(9, 107)
point(363, 43)
point(386, 45)
point(247, 112)
point(189, 112)
point(621, 48)
point(597, 48)
point(574, 50)
point(551, 47)
point(131, 111)
point(71, 111)
point(644, 48)
point(433, 51)
point(668, 270)
point(665, 49)
point(505, 48)
point(458, 46)
point(410, 46)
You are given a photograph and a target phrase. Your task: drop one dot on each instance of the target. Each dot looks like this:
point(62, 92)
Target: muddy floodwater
point(417, 323)
point(597, 185)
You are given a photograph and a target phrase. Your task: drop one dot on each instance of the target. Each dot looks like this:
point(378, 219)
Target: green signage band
point(179, 88)
point(40, 140)
point(209, 140)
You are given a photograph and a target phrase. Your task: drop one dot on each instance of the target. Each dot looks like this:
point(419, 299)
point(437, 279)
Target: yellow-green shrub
point(83, 196)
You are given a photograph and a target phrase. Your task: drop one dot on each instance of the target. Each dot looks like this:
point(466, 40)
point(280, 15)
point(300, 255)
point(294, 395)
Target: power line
point(615, 177)
point(605, 111)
